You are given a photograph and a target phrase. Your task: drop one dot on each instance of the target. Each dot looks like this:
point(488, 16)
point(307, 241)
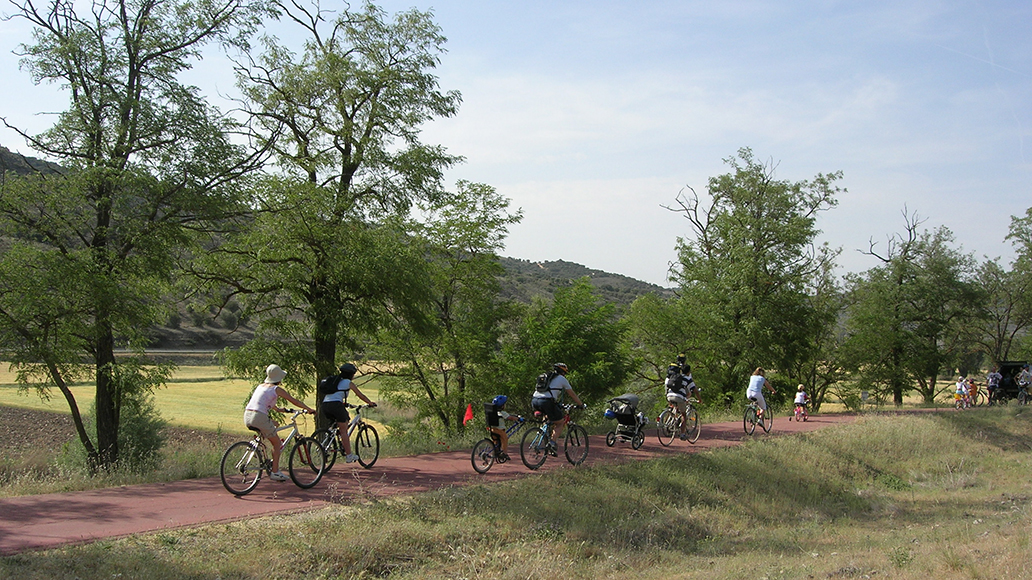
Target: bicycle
point(537, 444)
point(752, 417)
point(800, 413)
point(367, 440)
point(1023, 396)
point(244, 462)
point(488, 450)
point(669, 422)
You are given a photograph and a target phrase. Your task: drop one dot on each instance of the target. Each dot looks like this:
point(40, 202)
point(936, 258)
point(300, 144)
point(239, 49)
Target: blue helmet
point(609, 414)
point(500, 401)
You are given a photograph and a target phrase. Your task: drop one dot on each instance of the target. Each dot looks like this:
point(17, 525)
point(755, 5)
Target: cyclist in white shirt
point(256, 413)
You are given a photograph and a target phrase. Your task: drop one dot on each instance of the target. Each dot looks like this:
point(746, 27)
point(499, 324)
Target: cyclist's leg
point(267, 428)
point(501, 439)
point(760, 402)
point(556, 420)
point(345, 442)
point(681, 407)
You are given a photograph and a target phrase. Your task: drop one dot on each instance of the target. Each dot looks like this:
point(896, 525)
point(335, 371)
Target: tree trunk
point(324, 335)
point(108, 399)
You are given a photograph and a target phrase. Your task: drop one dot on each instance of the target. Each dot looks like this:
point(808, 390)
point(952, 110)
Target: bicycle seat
point(753, 399)
point(255, 429)
point(539, 416)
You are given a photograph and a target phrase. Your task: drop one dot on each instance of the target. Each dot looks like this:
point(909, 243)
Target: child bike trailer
point(630, 423)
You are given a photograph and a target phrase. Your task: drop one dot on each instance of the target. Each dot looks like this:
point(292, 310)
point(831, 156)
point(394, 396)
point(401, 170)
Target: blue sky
point(592, 116)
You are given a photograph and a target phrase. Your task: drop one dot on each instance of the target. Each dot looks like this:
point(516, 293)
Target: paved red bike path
point(37, 522)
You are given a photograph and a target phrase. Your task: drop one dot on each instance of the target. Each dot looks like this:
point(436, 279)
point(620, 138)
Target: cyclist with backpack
point(334, 390)
point(551, 388)
point(679, 386)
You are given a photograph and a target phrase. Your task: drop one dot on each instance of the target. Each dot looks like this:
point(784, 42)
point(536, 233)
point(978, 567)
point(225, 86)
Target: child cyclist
point(801, 400)
point(961, 394)
point(496, 417)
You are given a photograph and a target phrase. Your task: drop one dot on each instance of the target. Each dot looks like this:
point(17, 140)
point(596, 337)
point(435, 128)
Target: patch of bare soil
point(24, 430)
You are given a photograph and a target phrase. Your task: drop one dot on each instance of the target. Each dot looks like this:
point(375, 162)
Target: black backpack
point(328, 385)
point(544, 380)
point(678, 384)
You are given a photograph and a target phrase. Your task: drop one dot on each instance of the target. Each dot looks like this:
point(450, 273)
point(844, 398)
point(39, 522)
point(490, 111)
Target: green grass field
point(197, 397)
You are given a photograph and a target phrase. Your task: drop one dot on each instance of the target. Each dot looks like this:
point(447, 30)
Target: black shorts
point(550, 407)
point(336, 411)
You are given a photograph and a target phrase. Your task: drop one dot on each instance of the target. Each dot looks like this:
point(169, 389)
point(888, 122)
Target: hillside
point(23, 165)
point(523, 281)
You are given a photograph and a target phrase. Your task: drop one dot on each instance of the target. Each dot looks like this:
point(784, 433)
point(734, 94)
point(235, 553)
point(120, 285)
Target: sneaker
point(351, 458)
point(683, 436)
point(551, 449)
point(503, 457)
point(278, 476)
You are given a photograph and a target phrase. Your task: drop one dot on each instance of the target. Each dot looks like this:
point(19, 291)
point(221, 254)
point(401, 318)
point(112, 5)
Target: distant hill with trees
point(525, 280)
point(24, 165)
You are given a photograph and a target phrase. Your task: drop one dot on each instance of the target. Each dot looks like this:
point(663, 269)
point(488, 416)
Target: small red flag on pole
point(469, 415)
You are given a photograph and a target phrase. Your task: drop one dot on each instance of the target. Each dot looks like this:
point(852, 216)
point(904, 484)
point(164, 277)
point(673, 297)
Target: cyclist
point(961, 394)
point(679, 386)
point(992, 381)
point(495, 422)
point(1024, 377)
point(256, 413)
point(334, 409)
point(549, 401)
point(801, 398)
point(757, 381)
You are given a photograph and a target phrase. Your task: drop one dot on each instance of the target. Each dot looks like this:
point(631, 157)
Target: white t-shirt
point(800, 398)
point(755, 385)
point(263, 398)
point(343, 387)
point(556, 389)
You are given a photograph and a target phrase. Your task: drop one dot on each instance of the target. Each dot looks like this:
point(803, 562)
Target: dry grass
point(945, 496)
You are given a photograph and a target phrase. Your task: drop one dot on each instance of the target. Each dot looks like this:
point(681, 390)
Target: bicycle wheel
point(307, 462)
point(981, 400)
point(483, 456)
point(666, 428)
point(575, 445)
point(241, 467)
point(767, 421)
point(749, 420)
point(610, 439)
point(326, 438)
point(532, 449)
point(693, 425)
point(367, 445)
point(1022, 397)
point(638, 440)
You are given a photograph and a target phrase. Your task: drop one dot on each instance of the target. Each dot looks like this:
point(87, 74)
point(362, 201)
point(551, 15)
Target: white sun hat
point(274, 374)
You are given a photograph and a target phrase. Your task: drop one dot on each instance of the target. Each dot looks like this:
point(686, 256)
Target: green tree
point(1008, 312)
point(746, 267)
point(438, 372)
point(578, 328)
point(328, 256)
point(906, 318)
point(147, 162)
point(820, 368)
point(1020, 281)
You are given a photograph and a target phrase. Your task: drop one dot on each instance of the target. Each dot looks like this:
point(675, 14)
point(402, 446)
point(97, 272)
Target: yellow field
point(197, 396)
